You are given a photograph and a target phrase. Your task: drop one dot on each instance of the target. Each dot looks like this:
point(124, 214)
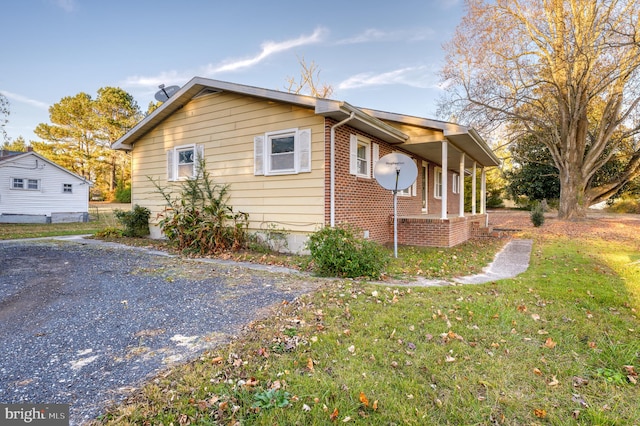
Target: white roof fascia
point(328, 107)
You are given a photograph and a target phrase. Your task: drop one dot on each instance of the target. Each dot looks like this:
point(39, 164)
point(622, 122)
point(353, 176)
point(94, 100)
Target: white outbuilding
point(34, 189)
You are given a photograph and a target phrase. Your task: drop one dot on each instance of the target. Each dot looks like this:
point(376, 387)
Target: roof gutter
point(332, 167)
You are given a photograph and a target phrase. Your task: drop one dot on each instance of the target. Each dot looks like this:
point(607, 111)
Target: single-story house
point(34, 189)
point(298, 163)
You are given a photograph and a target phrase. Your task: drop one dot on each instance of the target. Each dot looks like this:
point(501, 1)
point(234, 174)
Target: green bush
point(537, 214)
point(123, 194)
point(338, 252)
point(135, 222)
point(199, 220)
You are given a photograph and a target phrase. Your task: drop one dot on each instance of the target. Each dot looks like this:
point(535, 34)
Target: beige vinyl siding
point(226, 124)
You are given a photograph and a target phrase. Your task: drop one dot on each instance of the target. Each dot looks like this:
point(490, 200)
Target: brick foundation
point(435, 232)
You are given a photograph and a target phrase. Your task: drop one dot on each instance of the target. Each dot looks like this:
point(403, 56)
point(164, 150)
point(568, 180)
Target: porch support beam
point(483, 192)
point(474, 188)
point(461, 186)
point(445, 178)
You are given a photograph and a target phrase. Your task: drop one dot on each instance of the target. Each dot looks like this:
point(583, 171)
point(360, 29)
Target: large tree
point(4, 114)
point(563, 72)
point(82, 132)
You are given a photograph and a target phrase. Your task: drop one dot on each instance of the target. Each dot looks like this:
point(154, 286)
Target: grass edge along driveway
point(559, 344)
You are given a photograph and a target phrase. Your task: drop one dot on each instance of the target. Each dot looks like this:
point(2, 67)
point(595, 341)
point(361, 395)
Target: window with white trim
point(455, 186)
point(410, 191)
point(67, 188)
point(183, 161)
point(282, 152)
point(437, 182)
point(360, 156)
point(27, 184)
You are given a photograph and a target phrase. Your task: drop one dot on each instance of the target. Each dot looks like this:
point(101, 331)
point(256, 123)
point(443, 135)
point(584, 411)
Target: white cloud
point(66, 5)
point(166, 77)
point(422, 77)
point(23, 99)
point(269, 48)
point(372, 35)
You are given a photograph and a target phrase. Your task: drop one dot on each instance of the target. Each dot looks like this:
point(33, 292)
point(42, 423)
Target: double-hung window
point(437, 185)
point(183, 162)
point(363, 156)
point(455, 184)
point(29, 184)
point(282, 152)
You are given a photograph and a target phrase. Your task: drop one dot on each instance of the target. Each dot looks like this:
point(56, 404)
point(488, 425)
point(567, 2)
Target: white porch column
point(461, 186)
point(445, 168)
point(483, 192)
point(474, 189)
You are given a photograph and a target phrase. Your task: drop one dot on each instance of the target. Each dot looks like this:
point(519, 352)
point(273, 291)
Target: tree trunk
point(573, 200)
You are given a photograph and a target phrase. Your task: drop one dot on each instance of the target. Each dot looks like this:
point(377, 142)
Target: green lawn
point(97, 222)
point(560, 344)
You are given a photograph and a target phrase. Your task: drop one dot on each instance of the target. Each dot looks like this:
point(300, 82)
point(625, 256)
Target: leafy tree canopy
point(82, 131)
point(563, 72)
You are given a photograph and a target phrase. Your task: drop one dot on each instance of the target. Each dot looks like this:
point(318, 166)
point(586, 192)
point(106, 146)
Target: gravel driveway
point(84, 324)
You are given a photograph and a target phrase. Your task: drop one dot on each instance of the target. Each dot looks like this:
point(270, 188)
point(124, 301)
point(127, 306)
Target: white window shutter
point(353, 154)
point(199, 158)
point(258, 155)
point(304, 153)
point(375, 148)
point(170, 165)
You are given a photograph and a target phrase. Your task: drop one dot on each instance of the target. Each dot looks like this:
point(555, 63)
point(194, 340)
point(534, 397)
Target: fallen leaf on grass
point(554, 381)
point(522, 308)
point(540, 413)
point(363, 399)
point(535, 317)
point(537, 372)
point(305, 407)
point(310, 364)
point(449, 358)
point(579, 381)
point(549, 343)
point(375, 405)
point(334, 415)
point(217, 360)
point(346, 419)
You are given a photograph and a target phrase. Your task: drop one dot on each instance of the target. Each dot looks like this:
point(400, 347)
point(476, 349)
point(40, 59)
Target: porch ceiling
point(432, 151)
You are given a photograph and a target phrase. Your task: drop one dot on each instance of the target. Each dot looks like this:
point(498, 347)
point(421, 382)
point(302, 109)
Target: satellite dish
point(395, 171)
point(165, 92)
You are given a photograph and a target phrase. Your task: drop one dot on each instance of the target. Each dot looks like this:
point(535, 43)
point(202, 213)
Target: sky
point(376, 54)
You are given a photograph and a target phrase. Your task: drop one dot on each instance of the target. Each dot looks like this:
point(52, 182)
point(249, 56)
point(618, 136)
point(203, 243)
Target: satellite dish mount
point(395, 172)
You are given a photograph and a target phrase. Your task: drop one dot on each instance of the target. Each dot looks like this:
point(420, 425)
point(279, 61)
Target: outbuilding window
point(67, 188)
point(28, 184)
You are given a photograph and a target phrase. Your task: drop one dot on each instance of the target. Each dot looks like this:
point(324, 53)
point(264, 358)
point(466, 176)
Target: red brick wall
point(365, 204)
point(431, 232)
point(360, 201)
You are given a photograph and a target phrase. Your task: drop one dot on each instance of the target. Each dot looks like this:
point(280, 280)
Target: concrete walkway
point(510, 262)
